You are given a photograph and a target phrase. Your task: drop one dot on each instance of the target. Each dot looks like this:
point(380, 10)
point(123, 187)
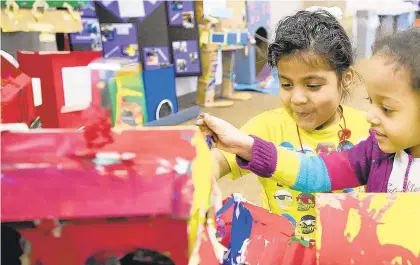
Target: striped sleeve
point(321, 173)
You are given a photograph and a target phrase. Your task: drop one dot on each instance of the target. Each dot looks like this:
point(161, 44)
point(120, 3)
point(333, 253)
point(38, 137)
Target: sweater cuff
point(264, 158)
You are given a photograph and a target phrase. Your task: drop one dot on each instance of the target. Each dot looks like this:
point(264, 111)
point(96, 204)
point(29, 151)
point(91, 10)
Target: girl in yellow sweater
point(314, 58)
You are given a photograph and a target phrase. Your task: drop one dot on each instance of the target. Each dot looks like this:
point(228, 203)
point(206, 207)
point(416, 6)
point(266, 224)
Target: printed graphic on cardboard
point(120, 40)
point(90, 36)
point(186, 56)
point(181, 13)
point(156, 57)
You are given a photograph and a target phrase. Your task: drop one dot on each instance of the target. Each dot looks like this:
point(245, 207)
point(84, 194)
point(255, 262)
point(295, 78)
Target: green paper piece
point(130, 83)
point(53, 4)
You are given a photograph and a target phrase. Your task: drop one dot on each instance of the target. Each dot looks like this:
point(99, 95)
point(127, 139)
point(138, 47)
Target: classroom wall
point(279, 9)
point(184, 85)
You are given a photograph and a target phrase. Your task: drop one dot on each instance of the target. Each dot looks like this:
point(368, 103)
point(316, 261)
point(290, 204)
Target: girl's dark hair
point(317, 32)
point(404, 48)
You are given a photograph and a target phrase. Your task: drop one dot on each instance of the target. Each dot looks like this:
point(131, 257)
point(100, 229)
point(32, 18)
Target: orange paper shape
point(367, 228)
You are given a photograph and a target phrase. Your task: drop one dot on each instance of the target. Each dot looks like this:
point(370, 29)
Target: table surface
point(232, 48)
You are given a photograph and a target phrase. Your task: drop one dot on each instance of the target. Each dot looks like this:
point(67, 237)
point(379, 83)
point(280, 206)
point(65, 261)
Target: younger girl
point(314, 58)
point(388, 161)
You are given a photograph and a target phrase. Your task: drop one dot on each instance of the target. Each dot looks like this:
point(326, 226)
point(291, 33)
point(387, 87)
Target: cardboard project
point(212, 39)
point(136, 30)
point(120, 84)
point(367, 228)
point(184, 37)
point(146, 196)
point(18, 97)
point(88, 39)
point(39, 17)
point(250, 65)
point(65, 84)
point(253, 235)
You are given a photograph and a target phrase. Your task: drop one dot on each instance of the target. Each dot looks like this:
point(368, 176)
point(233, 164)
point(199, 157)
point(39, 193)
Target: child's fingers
point(200, 119)
point(214, 140)
point(199, 122)
point(204, 129)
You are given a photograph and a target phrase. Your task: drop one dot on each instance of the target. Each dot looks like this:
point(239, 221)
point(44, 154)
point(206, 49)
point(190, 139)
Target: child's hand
point(225, 136)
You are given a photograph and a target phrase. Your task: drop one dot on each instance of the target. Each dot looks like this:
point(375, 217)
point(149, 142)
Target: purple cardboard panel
point(90, 35)
point(113, 8)
point(88, 11)
point(149, 7)
point(175, 12)
point(125, 9)
point(186, 59)
point(181, 13)
point(155, 57)
point(120, 40)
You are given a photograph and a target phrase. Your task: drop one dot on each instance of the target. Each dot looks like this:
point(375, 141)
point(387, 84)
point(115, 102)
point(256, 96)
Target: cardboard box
point(56, 21)
point(120, 84)
point(368, 228)
point(65, 84)
point(255, 236)
point(17, 97)
point(147, 194)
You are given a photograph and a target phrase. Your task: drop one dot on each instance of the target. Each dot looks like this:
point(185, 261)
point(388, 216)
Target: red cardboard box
point(65, 85)
point(145, 196)
point(17, 99)
point(255, 236)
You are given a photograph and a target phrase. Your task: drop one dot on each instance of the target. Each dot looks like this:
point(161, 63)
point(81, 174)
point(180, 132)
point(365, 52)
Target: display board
point(137, 30)
point(89, 39)
point(155, 33)
point(184, 37)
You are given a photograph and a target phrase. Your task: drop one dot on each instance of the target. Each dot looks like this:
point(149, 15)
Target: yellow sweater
point(278, 127)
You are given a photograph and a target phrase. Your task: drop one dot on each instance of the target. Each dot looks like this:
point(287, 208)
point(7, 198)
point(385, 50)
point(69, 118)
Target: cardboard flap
point(132, 176)
point(55, 21)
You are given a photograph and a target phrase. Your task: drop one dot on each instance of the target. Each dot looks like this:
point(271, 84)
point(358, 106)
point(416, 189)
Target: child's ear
point(347, 78)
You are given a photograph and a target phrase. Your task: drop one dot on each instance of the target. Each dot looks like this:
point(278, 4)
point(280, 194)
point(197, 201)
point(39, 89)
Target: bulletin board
point(137, 30)
point(89, 39)
point(156, 33)
point(184, 37)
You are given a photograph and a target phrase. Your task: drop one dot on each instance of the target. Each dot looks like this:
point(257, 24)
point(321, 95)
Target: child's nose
point(299, 97)
point(371, 117)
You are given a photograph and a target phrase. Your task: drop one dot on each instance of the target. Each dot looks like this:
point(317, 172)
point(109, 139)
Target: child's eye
point(386, 110)
point(369, 99)
point(314, 86)
point(286, 85)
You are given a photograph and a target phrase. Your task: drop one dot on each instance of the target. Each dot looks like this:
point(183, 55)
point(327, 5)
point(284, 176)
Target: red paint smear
point(77, 189)
point(338, 250)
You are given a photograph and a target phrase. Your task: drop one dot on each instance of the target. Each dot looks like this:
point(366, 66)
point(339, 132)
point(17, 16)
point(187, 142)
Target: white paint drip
point(181, 166)
point(237, 212)
point(243, 251)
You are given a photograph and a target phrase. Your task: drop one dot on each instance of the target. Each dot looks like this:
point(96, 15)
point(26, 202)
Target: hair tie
point(344, 134)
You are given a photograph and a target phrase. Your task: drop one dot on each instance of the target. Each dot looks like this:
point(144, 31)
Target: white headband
point(335, 10)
